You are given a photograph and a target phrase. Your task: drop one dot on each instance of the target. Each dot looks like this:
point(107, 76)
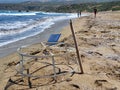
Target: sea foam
point(21, 25)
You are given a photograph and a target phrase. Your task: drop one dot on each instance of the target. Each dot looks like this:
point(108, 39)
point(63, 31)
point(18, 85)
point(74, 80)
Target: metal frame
point(22, 55)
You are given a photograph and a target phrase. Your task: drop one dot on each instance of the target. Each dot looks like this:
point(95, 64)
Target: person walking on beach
point(80, 13)
point(95, 12)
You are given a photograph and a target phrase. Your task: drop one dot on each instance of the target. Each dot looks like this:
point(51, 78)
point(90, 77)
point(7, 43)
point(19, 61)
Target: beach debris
point(93, 45)
point(84, 31)
point(115, 88)
point(13, 63)
point(34, 53)
point(46, 52)
point(105, 31)
point(9, 83)
point(61, 45)
point(98, 53)
point(90, 52)
point(82, 56)
point(113, 45)
point(75, 85)
point(113, 57)
point(94, 53)
point(100, 82)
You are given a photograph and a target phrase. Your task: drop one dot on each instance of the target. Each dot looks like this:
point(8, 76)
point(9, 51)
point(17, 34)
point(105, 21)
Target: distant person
point(80, 13)
point(77, 14)
point(95, 12)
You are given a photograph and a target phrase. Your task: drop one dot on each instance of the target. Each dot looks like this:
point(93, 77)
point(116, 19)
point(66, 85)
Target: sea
point(15, 25)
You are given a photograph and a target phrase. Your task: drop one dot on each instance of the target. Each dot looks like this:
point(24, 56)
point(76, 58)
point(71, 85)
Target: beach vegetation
point(58, 7)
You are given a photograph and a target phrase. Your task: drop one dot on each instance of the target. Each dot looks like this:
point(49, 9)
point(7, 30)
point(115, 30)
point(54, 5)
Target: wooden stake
point(29, 82)
point(76, 46)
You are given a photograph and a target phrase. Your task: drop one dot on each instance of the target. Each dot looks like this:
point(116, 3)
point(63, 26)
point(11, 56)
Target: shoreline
point(43, 36)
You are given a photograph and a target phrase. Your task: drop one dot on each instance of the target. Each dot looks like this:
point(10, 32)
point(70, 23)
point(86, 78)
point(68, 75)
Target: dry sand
point(99, 45)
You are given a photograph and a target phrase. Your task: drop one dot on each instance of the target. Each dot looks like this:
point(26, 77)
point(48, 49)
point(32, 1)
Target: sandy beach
point(99, 46)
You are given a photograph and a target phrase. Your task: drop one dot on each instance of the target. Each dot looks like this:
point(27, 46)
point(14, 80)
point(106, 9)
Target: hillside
point(59, 7)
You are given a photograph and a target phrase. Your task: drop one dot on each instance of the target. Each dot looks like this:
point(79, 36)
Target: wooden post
point(53, 63)
point(76, 46)
point(29, 82)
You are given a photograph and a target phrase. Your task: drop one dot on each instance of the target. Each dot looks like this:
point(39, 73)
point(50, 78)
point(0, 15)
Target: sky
point(11, 1)
point(14, 1)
